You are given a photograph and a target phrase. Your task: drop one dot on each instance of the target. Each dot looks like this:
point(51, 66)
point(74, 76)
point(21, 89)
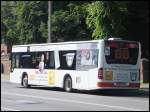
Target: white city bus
point(82, 65)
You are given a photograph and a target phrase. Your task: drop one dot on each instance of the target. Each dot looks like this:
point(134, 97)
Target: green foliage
point(32, 18)
point(66, 24)
point(105, 18)
point(10, 35)
point(27, 22)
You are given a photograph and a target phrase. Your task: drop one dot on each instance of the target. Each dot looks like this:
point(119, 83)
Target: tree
point(68, 24)
point(105, 18)
point(26, 22)
point(138, 24)
point(8, 20)
point(3, 32)
point(32, 20)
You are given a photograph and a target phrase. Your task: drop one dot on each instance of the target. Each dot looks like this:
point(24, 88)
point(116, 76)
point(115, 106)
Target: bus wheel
point(25, 81)
point(68, 84)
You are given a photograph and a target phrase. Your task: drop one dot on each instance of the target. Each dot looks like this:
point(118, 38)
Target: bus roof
point(59, 43)
point(91, 44)
point(69, 42)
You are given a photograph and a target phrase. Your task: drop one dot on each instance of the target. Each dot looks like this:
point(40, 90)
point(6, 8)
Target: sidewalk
point(4, 76)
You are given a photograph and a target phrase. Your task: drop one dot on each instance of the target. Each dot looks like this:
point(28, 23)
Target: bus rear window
point(119, 52)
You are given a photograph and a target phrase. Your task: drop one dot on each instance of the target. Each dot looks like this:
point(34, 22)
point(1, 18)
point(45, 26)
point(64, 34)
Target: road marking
point(9, 109)
point(72, 101)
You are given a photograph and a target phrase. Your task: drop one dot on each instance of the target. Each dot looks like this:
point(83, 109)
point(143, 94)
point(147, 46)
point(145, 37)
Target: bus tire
point(25, 81)
point(68, 84)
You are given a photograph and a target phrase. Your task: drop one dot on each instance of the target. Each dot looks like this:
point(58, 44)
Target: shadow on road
point(143, 93)
point(122, 93)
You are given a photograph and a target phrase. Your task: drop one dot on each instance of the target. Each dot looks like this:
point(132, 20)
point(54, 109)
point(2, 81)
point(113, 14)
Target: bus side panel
point(93, 79)
point(45, 78)
point(33, 77)
point(16, 76)
point(79, 78)
point(59, 78)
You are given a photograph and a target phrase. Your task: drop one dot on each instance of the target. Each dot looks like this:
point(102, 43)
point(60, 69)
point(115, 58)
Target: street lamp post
point(49, 22)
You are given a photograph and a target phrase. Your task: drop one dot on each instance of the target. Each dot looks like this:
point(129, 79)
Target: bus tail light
point(100, 73)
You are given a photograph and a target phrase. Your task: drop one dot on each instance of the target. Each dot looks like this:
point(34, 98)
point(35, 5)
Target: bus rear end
point(121, 65)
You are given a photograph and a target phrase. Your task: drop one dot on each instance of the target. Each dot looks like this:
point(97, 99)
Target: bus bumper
point(113, 85)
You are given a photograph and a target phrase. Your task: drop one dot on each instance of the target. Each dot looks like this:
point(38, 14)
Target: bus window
point(51, 60)
point(13, 62)
point(17, 61)
point(37, 57)
point(67, 60)
point(25, 60)
point(87, 59)
point(47, 58)
point(121, 52)
point(41, 63)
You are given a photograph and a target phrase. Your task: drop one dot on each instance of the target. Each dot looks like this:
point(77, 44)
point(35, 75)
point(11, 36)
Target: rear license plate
point(121, 84)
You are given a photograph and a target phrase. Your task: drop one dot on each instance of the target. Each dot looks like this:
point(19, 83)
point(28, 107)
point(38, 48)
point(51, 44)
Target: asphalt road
point(16, 98)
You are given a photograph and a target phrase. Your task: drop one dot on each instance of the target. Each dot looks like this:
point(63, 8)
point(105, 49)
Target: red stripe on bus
point(105, 84)
point(110, 84)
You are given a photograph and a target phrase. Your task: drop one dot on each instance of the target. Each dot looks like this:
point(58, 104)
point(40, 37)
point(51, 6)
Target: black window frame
point(30, 64)
point(63, 62)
